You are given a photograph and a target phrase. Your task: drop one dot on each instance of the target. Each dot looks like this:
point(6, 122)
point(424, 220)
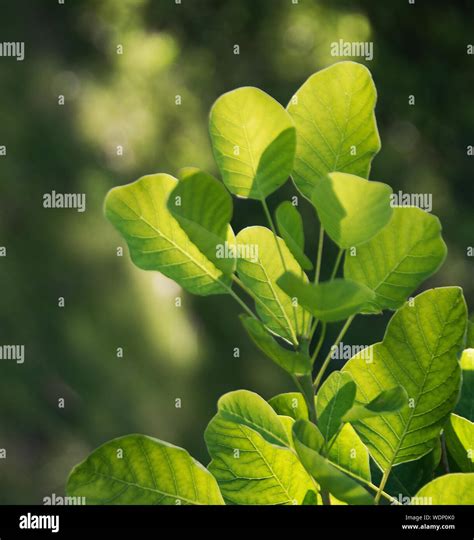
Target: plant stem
point(336, 265)
point(320, 344)
point(319, 256)
point(366, 482)
point(344, 329)
point(385, 476)
point(275, 236)
point(325, 497)
point(237, 298)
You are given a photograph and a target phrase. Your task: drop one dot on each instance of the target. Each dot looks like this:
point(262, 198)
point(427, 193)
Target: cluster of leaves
point(391, 423)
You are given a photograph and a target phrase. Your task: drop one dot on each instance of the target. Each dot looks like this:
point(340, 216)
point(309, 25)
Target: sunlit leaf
point(349, 452)
point(294, 362)
point(249, 469)
point(249, 409)
point(388, 401)
point(351, 209)
point(335, 397)
point(155, 238)
point(459, 434)
point(455, 488)
point(290, 226)
point(396, 261)
point(407, 478)
point(254, 142)
point(465, 406)
point(419, 352)
point(290, 404)
point(259, 266)
point(335, 123)
point(309, 443)
point(330, 301)
point(203, 207)
point(136, 469)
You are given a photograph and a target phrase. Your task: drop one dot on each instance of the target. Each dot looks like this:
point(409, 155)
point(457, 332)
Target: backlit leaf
point(459, 434)
point(465, 406)
point(351, 209)
point(156, 240)
point(290, 226)
point(308, 443)
point(335, 397)
point(419, 352)
point(203, 207)
point(249, 469)
point(136, 469)
point(254, 142)
point(330, 301)
point(259, 266)
point(455, 488)
point(388, 401)
point(291, 404)
point(349, 452)
point(294, 362)
point(396, 261)
point(335, 123)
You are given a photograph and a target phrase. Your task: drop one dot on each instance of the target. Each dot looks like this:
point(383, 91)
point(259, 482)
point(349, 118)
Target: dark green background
point(182, 49)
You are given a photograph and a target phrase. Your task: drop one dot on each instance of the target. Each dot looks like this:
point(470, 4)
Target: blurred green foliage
point(184, 50)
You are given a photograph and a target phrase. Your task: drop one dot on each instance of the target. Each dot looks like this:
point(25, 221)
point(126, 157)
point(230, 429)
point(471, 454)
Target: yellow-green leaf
point(335, 124)
point(254, 142)
point(137, 469)
point(156, 240)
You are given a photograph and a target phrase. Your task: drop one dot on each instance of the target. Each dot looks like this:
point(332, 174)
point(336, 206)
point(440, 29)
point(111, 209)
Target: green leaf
point(203, 207)
point(249, 469)
point(290, 226)
point(291, 404)
point(418, 352)
point(335, 397)
point(387, 402)
point(254, 142)
point(310, 499)
point(407, 478)
point(136, 469)
point(349, 453)
point(331, 301)
point(449, 489)
point(249, 409)
point(155, 238)
point(459, 434)
point(351, 209)
point(293, 362)
point(396, 261)
point(465, 406)
point(335, 124)
point(259, 266)
point(309, 443)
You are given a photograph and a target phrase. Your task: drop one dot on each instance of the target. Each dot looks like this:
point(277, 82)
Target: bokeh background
point(180, 49)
